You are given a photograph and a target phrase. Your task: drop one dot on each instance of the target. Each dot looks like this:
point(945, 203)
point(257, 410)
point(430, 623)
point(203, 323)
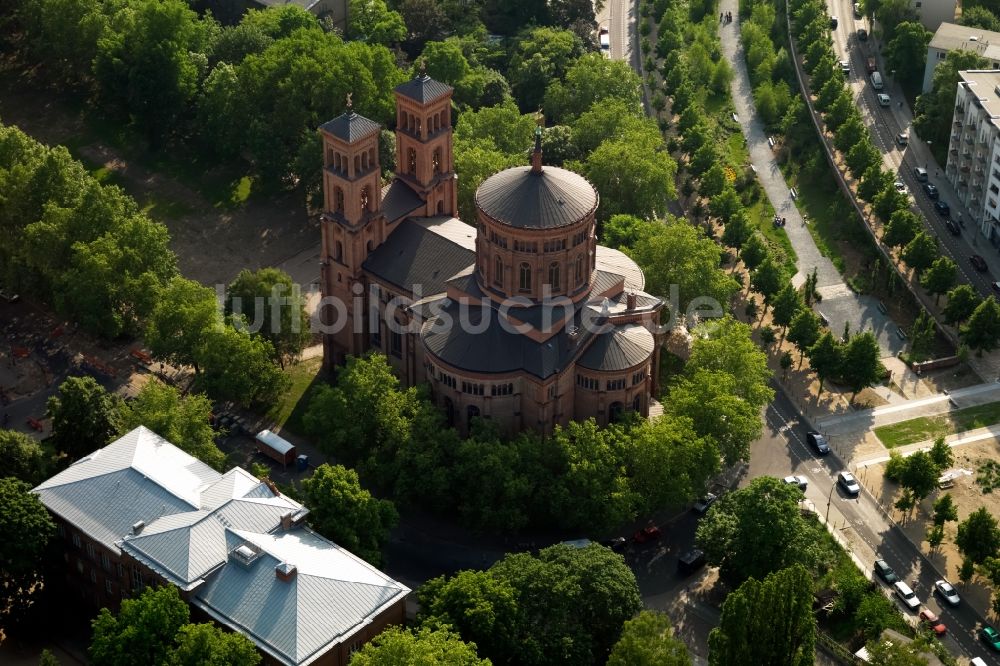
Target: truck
point(274, 447)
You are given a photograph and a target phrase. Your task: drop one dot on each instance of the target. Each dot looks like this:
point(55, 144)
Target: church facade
point(519, 316)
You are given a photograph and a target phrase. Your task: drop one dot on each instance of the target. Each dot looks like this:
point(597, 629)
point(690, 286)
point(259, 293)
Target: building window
point(79, 566)
point(121, 571)
point(554, 276)
point(136, 578)
point(638, 377)
point(61, 529)
point(338, 200)
point(472, 389)
point(76, 540)
point(554, 246)
point(436, 160)
point(105, 562)
point(396, 344)
point(93, 576)
point(616, 384)
point(471, 412)
point(377, 336)
point(365, 198)
point(502, 389)
point(579, 270)
point(91, 553)
point(498, 271)
point(109, 588)
point(448, 380)
point(587, 382)
point(411, 161)
point(525, 277)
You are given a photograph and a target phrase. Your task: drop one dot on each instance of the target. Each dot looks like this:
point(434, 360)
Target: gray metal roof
point(548, 199)
point(350, 127)
point(425, 252)
point(332, 594)
point(399, 200)
point(423, 89)
point(622, 348)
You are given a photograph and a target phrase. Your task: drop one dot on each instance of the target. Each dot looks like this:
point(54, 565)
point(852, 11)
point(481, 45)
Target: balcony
point(969, 139)
point(964, 169)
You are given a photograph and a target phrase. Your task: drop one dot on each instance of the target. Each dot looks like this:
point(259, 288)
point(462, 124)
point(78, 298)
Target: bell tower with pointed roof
point(424, 158)
point(352, 225)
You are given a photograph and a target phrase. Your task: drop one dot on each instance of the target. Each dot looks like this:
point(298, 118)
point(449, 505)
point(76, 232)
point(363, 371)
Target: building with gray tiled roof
point(518, 316)
point(140, 512)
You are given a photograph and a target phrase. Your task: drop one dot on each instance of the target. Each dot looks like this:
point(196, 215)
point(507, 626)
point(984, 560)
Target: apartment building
point(934, 13)
point(973, 165)
point(953, 37)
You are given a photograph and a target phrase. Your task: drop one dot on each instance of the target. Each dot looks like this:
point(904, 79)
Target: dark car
point(818, 442)
point(952, 228)
point(990, 636)
point(701, 506)
point(834, 22)
point(931, 190)
point(942, 208)
point(690, 562)
point(885, 572)
point(978, 263)
point(618, 544)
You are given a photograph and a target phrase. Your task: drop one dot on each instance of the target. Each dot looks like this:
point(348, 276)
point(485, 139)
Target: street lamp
point(927, 164)
point(829, 500)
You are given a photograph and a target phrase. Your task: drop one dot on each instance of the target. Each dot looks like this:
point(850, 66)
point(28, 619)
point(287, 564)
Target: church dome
point(544, 199)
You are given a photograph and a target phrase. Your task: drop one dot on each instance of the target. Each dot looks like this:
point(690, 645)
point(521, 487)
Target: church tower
point(423, 143)
point(352, 225)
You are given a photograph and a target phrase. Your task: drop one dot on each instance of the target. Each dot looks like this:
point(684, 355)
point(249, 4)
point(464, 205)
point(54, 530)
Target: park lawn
point(288, 410)
point(932, 427)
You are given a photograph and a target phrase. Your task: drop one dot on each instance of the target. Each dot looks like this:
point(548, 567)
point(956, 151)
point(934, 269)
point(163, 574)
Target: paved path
point(840, 305)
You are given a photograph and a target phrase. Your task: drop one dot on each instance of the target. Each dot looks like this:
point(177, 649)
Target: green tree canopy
point(176, 329)
point(902, 226)
point(633, 176)
point(543, 55)
point(921, 252)
point(274, 308)
point(907, 53)
point(208, 645)
point(428, 647)
point(143, 632)
point(648, 640)
point(861, 365)
point(84, 416)
point(978, 536)
point(372, 21)
point(962, 302)
point(25, 530)
point(726, 345)
point(22, 457)
point(593, 78)
point(804, 330)
point(767, 279)
point(982, 330)
point(624, 231)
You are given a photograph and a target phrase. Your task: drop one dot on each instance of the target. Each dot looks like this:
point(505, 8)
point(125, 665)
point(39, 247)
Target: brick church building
point(518, 316)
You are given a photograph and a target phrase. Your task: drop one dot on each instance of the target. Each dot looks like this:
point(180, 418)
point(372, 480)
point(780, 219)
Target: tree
point(676, 253)
point(902, 227)
point(896, 653)
point(725, 345)
point(945, 510)
point(372, 21)
point(184, 314)
point(921, 252)
point(592, 79)
point(278, 310)
point(503, 125)
point(978, 536)
point(982, 331)
point(875, 180)
point(769, 622)
point(941, 454)
point(920, 475)
point(940, 277)
point(183, 420)
point(84, 416)
point(892, 14)
point(633, 176)
point(922, 337)
point(738, 230)
point(967, 570)
point(787, 304)
point(840, 110)
point(754, 251)
point(962, 302)
point(143, 632)
point(785, 362)
point(429, 647)
point(342, 511)
point(542, 55)
point(849, 134)
point(237, 366)
point(859, 159)
point(979, 17)
point(826, 358)
point(861, 366)
point(907, 53)
point(624, 231)
point(767, 280)
point(648, 640)
point(804, 330)
point(934, 110)
point(889, 200)
point(756, 530)
point(200, 644)
point(25, 530)
point(21, 457)
point(934, 535)
point(712, 181)
point(475, 161)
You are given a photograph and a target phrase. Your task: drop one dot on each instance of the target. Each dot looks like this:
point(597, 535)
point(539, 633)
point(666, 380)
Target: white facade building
point(954, 37)
point(973, 166)
point(933, 13)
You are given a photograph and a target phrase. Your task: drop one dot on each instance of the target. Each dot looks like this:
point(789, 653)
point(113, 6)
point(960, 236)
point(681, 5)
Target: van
point(977, 661)
point(870, 65)
point(876, 81)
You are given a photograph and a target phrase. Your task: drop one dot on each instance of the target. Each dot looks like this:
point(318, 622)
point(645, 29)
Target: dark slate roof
point(489, 347)
point(621, 348)
point(423, 89)
point(399, 200)
point(423, 252)
point(548, 199)
point(350, 127)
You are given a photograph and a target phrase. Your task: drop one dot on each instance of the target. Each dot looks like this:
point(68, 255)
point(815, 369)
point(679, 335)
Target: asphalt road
point(885, 123)
point(783, 451)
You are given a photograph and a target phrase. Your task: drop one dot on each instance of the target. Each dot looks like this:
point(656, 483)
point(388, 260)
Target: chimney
point(286, 521)
point(285, 572)
point(630, 300)
point(137, 526)
point(270, 486)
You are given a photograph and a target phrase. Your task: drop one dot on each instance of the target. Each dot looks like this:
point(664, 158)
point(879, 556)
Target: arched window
point(336, 161)
point(554, 276)
point(357, 164)
point(579, 270)
point(498, 270)
point(637, 404)
point(365, 198)
point(440, 208)
point(330, 156)
point(525, 277)
point(338, 251)
point(370, 246)
point(364, 161)
point(338, 200)
point(436, 161)
point(411, 161)
point(471, 412)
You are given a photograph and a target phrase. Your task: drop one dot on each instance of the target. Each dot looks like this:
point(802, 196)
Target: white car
point(906, 595)
point(850, 484)
point(900, 186)
point(800, 481)
point(883, 99)
point(845, 67)
point(946, 591)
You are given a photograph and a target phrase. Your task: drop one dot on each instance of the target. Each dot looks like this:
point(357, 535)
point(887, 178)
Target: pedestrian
point(722, 15)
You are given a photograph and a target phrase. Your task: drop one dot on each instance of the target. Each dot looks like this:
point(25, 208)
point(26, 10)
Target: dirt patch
point(212, 243)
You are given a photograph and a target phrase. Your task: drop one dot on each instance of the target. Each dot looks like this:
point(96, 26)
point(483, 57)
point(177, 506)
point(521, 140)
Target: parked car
point(845, 67)
point(883, 99)
point(834, 22)
point(933, 622)
point(946, 591)
point(942, 208)
point(885, 572)
point(701, 506)
point(818, 442)
point(847, 481)
point(952, 228)
point(647, 533)
point(931, 190)
point(800, 481)
point(990, 636)
point(617, 544)
point(900, 186)
point(862, 35)
point(920, 174)
point(903, 138)
point(978, 263)
point(871, 65)
point(690, 562)
point(906, 595)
